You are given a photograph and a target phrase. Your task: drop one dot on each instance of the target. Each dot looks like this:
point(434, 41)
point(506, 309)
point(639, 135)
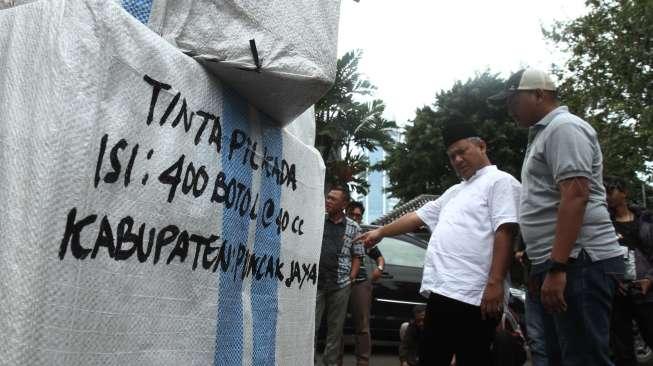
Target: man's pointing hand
point(370, 238)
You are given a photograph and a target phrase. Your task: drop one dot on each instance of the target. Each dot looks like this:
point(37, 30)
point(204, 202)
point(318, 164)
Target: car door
point(397, 292)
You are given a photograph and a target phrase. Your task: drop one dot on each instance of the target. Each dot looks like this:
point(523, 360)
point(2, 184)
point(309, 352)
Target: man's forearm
point(649, 274)
point(573, 200)
point(407, 223)
point(502, 253)
point(355, 266)
point(380, 262)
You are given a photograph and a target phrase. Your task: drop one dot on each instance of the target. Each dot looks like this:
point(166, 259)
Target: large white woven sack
point(4, 4)
point(296, 43)
point(148, 214)
point(303, 127)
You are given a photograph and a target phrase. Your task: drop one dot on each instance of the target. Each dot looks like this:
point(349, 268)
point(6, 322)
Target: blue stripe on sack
point(139, 9)
point(229, 332)
point(268, 242)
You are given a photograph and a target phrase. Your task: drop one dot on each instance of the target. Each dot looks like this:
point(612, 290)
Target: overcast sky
point(415, 48)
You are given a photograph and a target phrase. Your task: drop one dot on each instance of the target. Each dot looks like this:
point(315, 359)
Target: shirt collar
point(343, 222)
point(549, 117)
point(480, 172)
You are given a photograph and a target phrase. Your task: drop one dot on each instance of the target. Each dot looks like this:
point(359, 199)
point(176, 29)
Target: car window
point(402, 253)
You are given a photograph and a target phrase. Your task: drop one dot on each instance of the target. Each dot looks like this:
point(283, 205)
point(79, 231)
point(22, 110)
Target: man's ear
point(482, 145)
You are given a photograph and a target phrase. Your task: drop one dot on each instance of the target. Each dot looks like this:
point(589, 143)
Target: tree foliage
point(346, 127)
point(608, 78)
point(419, 164)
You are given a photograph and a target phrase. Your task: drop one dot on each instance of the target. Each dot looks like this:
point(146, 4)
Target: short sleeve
point(504, 201)
point(430, 213)
point(357, 249)
point(569, 151)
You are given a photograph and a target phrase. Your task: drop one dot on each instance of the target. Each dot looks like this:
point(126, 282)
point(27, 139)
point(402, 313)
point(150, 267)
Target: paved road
point(381, 356)
point(388, 356)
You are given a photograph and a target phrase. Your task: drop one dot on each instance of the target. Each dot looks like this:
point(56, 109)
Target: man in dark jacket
point(634, 298)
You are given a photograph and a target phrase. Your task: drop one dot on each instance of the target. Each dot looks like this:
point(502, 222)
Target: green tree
point(608, 78)
point(419, 164)
point(346, 127)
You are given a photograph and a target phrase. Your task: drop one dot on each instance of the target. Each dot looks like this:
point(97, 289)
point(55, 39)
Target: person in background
point(634, 298)
point(565, 224)
point(473, 225)
point(508, 347)
point(339, 264)
point(411, 337)
point(533, 314)
point(360, 299)
point(355, 211)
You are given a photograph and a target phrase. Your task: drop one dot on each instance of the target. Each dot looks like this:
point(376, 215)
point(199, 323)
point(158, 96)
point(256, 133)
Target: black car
point(396, 293)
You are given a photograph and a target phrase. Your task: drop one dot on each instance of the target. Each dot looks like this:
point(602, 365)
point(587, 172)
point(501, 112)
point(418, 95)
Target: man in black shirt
point(340, 259)
point(634, 298)
point(411, 338)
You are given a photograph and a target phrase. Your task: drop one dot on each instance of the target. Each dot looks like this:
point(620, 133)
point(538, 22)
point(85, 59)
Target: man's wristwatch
point(557, 267)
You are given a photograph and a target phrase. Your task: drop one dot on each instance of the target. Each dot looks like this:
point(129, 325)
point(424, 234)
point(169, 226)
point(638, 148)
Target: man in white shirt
point(473, 225)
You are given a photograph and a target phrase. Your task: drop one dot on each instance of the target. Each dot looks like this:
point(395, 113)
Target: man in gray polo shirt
point(565, 224)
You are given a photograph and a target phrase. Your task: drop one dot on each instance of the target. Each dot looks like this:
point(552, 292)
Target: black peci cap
point(454, 131)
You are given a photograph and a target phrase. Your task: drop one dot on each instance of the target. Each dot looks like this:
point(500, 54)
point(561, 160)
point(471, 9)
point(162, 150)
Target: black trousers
point(624, 311)
point(454, 327)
